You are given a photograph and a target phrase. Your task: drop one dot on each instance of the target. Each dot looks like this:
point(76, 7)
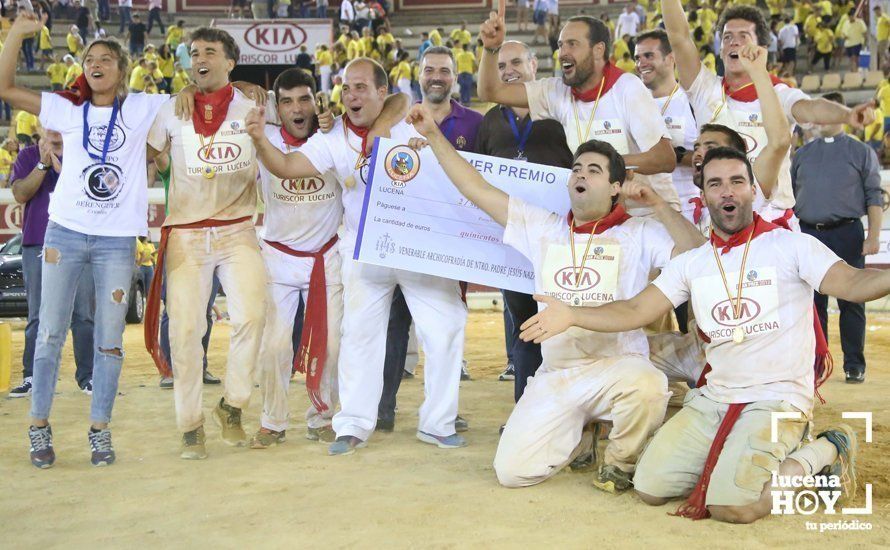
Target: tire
point(136, 309)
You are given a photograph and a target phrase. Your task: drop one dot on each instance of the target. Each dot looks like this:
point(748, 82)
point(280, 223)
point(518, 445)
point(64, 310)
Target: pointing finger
point(502, 8)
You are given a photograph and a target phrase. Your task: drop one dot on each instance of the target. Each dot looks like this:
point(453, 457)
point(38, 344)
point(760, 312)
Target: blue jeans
point(28, 51)
point(81, 319)
point(154, 15)
point(124, 12)
point(146, 273)
point(104, 12)
point(321, 11)
point(526, 355)
point(112, 260)
point(164, 340)
point(466, 87)
point(397, 335)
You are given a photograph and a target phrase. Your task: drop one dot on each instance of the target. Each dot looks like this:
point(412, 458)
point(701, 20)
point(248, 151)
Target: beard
point(583, 71)
point(436, 96)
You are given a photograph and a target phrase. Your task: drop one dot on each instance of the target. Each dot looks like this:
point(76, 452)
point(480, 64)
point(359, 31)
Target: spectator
point(34, 177)
point(304, 60)
point(56, 73)
point(854, 38)
point(45, 44)
point(26, 126)
point(154, 15)
point(789, 40)
point(8, 152)
point(74, 41)
point(183, 56)
point(461, 36)
point(324, 61)
point(628, 23)
point(83, 19)
point(180, 78)
point(321, 9)
point(124, 9)
point(165, 62)
point(824, 40)
point(882, 33)
point(362, 15)
point(145, 260)
point(174, 34)
point(103, 11)
point(347, 13)
point(240, 5)
point(436, 36)
point(836, 180)
point(539, 18)
point(425, 43)
point(136, 35)
point(466, 67)
point(522, 14)
point(74, 70)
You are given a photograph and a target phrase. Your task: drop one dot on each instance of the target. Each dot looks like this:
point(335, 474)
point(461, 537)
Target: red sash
point(747, 93)
point(211, 110)
point(611, 74)
point(617, 216)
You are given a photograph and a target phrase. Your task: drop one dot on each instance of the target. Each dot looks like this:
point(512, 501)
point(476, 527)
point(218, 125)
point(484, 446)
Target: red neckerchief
point(617, 216)
point(79, 92)
point(611, 73)
point(698, 209)
point(211, 110)
point(359, 131)
point(747, 93)
point(291, 140)
point(759, 226)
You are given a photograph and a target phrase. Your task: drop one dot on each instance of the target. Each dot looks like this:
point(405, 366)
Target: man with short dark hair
point(136, 33)
point(836, 180)
point(789, 40)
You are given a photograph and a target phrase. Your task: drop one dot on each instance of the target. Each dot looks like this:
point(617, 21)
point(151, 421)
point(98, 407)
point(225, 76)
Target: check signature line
point(483, 224)
point(467, 204)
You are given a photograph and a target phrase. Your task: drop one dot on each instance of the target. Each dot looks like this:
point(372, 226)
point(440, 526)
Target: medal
point(209, 172)
point(738, 335)
point(349, 182)
point(521, 138)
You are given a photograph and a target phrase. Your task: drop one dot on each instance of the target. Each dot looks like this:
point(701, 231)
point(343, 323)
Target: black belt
point(828, 225)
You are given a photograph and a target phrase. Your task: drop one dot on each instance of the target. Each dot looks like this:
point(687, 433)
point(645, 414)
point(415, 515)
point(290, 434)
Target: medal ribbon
point(109, 130)
point(521, 139)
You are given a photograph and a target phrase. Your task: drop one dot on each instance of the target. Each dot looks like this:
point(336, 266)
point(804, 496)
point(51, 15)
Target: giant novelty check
point(413, 218)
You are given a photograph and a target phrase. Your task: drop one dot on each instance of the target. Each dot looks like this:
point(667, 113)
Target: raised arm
point(467, 179)
point(685, 235)
point(685, 52)
point(489, 85)
point(775, 123)
point(395, 109)
point(620, 316)
point(822, 111)
point(292, 165)
point(855, 285)
point(20, 98)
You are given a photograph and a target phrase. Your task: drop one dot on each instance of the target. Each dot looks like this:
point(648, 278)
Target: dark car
point(13, 299)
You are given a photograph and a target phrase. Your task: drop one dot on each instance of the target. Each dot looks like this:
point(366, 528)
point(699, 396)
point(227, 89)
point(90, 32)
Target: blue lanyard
point(521, 140)
point(108, 131)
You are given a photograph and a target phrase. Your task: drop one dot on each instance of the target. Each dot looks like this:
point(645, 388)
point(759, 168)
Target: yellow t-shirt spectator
point(166, 66)
point(824, 40)
point(74, 71)
point(460, 37)
point(403, 70)
point(137, 79)
point(174, 36)
point(854, 33)
point(710, 62)
point(620, 48)
point(883, 31)
point(6, 162)
point(145, 253)
point(385, 39)
point(626, 64)
point(435, 38)
point(367, 44)
point(466, 62)
point(46, 42)
point(323, 58)
point(180, 81)
point(74, 47)
point(336, 93)
point(875, 130)
point(776, 7)
point(811, 25)
point(802, 10)
point(353, 49)
point(26, 123)
point(883, 96)
point(56, 73)
point(826, 7)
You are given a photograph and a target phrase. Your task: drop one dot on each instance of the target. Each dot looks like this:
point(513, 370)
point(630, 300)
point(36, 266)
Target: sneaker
point(166, 383)
point(464, 373)
point(452, 441)
point(407, 375)
point(42, 453)
point(345, 445)
point(228, 418)
point(855, 377)
point(23, 390)
point(508, 374)
point(613, 479)
point(100, 445)
point(386, 425)
point(193, 445)
point(264, 438)
point(325, 434)
point(87, 388)
point(586, 458)
point(844, 439)
point(461, 424)
point(209, 379)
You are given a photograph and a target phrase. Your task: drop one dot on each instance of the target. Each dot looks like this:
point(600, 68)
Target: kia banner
point(275, 41)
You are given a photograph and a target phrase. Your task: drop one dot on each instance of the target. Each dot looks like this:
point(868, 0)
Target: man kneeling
point(751, 289)
point(594, 255)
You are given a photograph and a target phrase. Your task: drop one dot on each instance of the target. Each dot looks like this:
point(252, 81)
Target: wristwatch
point(680, 152)
point(44, 167)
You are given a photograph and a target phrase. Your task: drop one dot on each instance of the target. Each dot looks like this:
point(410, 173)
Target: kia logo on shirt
point(303, 186)
point(566, 279)
point(723, 313)
point(220, 152)
point(275, 37)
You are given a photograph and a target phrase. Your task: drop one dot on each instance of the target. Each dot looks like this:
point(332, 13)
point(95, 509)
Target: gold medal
point(738, 335)
point(209, 172)
point(349, 181)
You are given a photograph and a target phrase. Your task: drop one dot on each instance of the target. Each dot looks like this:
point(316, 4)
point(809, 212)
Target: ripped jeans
point(66, 254)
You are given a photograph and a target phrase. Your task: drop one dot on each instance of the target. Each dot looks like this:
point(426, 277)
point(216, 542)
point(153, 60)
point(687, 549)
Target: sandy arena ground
point(397, 492)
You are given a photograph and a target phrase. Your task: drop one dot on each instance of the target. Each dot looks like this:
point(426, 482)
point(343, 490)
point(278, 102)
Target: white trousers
point(288, 280)
point(440, 317)
point(545, 427)
point(325, 74)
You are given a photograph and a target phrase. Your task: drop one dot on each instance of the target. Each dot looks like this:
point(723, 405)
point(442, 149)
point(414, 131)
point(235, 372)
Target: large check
point(413, 218)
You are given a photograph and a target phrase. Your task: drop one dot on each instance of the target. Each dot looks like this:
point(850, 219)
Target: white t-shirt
point(681, 124)
point(337, 152)
point(616, 267)
point(628, 23)
point(303, 214)
point(231, 193)
point(627, 118)
point(746, 118)
point(92, 198)
point(788, 36)
point(775, 360)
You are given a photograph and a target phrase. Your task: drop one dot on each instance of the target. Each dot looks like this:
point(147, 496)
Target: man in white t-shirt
point(435, 303)
point(209, 228)
point(789, 40)
point(733, 101)
point(656, 66)
point(608, 255)
point(593, 100)
point(628, 23)
point(751, 287)
point(299, 235)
